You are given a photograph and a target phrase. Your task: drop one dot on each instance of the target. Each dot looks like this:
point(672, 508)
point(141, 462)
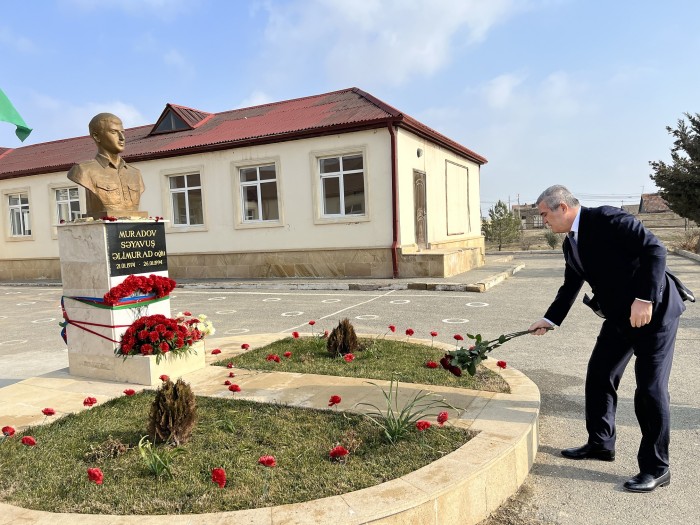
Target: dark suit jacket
point(621, 260)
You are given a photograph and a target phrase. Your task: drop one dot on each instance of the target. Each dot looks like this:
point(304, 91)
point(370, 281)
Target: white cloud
point(499, 92)
point(175, 59)
point(256, 98)
point(20, 43)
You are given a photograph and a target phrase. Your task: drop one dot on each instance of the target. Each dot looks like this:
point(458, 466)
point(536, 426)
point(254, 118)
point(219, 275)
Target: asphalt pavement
point(558, 491)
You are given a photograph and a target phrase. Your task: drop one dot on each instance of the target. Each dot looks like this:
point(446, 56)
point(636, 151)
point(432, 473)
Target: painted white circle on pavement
point(26, 304)
point(3, 317)
point(216, 299)
point(270, 299)
point(44, 320)
point(477, 305)
point(12, 293)
point(224, 312)
point(455, 321)
point(367, 317)
point(236, 331)
point(331, 301)
point(13, 342)
point(400, 301)
point(291, 314)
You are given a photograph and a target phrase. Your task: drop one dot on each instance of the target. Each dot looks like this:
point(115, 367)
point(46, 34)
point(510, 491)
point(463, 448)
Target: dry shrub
point(173, 413)
point(342, 339)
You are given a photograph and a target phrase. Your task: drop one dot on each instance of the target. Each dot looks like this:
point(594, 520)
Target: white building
point(333, 185)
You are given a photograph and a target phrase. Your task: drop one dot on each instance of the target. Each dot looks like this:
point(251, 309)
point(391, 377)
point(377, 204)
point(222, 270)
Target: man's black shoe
point(589, 451)
point(647, 482)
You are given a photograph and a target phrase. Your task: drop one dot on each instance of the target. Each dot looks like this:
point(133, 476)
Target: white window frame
point(68, 202)
point(320, 217)
point(240, 222)
point(167, 198)
point(54, 203)
point(7, 208)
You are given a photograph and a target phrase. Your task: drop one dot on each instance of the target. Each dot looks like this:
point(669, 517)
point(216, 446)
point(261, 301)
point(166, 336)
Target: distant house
point(652, 203)
point(333, 185)
point(529, 216)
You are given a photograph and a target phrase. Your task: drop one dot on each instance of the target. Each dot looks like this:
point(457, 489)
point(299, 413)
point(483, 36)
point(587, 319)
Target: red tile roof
point(346, 110)
point(652, 203)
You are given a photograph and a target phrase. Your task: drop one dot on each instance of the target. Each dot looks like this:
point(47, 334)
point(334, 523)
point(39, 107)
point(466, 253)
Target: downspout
point(394, 201)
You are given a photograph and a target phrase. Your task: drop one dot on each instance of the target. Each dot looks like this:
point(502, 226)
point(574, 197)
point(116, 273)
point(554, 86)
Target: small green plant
point(342, 339)
point(398, 423)
point(551, 238)
point(173, 413)
point(226, 424)
point(158, 463)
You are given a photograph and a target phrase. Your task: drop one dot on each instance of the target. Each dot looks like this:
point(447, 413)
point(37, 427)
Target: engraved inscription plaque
point(136, 248)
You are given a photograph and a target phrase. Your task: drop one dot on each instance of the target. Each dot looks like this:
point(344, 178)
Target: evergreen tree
point(679, 181)
point(503, 227)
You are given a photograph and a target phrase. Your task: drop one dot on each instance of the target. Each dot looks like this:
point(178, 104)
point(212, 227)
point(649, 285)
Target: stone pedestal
point(96, 256)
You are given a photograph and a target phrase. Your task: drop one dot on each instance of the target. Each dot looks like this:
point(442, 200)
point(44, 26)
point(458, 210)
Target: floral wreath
point(153, 284)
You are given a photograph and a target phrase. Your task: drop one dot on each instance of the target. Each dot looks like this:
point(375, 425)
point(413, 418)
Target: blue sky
point(574, 92)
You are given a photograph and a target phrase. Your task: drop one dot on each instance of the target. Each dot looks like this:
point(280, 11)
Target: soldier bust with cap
point(113, 187)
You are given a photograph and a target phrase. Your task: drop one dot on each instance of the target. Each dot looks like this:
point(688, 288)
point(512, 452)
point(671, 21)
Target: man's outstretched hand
point(540, 327)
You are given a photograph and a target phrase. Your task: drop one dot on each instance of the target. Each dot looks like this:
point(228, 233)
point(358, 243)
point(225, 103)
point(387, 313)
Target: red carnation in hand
point(295, 335)
point(392, 328)
point(431, 364)
point(8, 431)
point(29, 441)
point(458, 337)
point(95, 474)
point(422, 425)
point(501, 364)
point(164, 378)
point(409, 332)
point(234, 388)
point(441, 418)
point(334, 400)
point(129, 392)
point(349, 357)
point(338, 452)
point(245, 346)
point(216, 351)
point(218, 476)
point(287, 355)
point(89, 401)
point(312, 322)
point(268, 461)
point(48, 411)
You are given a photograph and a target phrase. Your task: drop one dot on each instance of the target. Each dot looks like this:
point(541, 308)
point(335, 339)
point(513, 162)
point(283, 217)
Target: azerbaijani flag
point(8, 113)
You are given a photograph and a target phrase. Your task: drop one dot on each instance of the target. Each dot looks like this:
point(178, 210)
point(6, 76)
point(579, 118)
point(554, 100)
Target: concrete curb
point(462, 488)
point(688, 255)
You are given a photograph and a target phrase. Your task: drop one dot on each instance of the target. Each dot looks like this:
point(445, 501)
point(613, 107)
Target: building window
point(67, 204)
point(342, 185)
point(186, 200)
point(259, 193)
point(19, 214)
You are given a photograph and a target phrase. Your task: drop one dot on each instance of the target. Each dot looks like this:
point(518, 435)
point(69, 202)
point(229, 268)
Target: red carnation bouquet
point(135, 284)
point(159, 335)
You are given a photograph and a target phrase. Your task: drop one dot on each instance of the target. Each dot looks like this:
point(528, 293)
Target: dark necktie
point(574, 250)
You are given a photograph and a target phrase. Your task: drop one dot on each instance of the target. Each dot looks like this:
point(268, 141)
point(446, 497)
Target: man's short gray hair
point(555, 195)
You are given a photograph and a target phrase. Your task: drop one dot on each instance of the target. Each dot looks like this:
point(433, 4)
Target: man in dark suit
point(625, 265)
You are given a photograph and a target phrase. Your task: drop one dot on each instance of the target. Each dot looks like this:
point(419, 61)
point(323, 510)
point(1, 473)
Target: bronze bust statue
point(113, 187)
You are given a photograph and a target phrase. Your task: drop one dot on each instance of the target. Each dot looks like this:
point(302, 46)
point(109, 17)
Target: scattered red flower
point(392, 328)
point(164, 378)
point(433, 334)
point(229, 365)
point(349, 357)
point(422, 425)
point(431, 364)
point(89, 401)
point(231, 374)
point(273, 357)
point(95, 474)
point(287, 355)
point(8, 431)
point(458, 337)
point(295, 335)
point(227, 382)
point(129, 392)
point(216, 351)
point(218, 476)
point(325, 333)
point(501, 364)
point(409, 332)
point(108, 218)
point(441, 418)
point(29, 441)
point(234, 388)
point(245, 346)
point(338, 452)
point(48, 412)
point(312, 322)
point(268, 461)
point(187, 313)
point(334, 400)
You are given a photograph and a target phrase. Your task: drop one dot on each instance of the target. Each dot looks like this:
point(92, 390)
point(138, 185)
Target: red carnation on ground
point(501, 364)
point(392, 328)
point(245, 346)
point(29, 441)
point(8, 431)
point(431, 364)
point(458, 337)
point(187, 313)
point(409, 332)
point(433, 334)
point(231, 374)
point(338, 452)
point(229, 365)
point(267, 461)
point(422, 425)
point(164, 378)
point(129, 392)
point(89, 401)
point(446, 364)
point(312, 322)
point(441, 418)
point(48, 411)
point(227, 382)
point(218, 476)
point(95, 475)
point(287, 355)
point(295, 335)
point(234, 388)
point(273, 357)
point(349, 357)
point(216, 351)
point(334, 400)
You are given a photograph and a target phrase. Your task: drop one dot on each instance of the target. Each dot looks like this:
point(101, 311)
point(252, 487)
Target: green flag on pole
point(8, 113)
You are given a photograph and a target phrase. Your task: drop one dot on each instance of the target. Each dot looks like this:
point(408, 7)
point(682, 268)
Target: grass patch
point(233, 434)
point(378, 359)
